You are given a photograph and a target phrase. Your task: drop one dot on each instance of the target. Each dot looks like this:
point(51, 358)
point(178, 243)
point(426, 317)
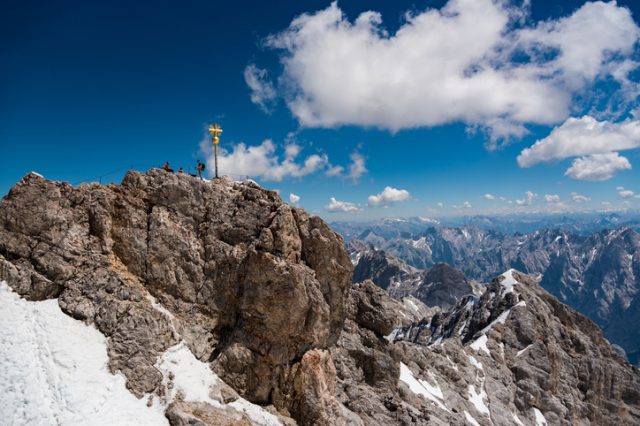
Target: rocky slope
point(250, 284)
point(599, 275)
point(439, 286)
point(260, 292)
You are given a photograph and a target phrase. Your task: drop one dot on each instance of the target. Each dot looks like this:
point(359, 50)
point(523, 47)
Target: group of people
point(200, 168)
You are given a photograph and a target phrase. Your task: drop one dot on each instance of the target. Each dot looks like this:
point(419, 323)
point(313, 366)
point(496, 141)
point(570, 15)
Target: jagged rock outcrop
point(249, 283)
point(439, 286)
point(262, 292)
point(597, 274)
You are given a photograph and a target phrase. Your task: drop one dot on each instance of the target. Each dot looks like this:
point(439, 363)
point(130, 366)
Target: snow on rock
point(508, 281)
point(477, 399)
point(422, 387)
point(470, 419)
point(412, 305)
point(520, 352)
point(190, 376)
point(480, 344)
point(473, 361)
point(517, 420)
point(54, 371)
point(197, 383)
point(391, 336)
point(540, 420)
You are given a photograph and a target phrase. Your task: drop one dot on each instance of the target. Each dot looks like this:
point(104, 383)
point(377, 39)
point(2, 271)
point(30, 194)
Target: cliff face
point(250, 284)
point(166, 266)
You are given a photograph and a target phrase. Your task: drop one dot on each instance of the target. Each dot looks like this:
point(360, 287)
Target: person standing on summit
point(200, 168)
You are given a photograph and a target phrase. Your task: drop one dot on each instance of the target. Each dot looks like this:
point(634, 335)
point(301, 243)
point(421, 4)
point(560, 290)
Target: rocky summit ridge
point(261, 292)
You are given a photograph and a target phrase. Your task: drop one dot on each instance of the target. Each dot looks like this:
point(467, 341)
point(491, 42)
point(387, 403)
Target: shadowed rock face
point(250, 283)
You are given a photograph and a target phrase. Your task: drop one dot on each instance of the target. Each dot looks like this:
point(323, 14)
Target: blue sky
point(435, 100)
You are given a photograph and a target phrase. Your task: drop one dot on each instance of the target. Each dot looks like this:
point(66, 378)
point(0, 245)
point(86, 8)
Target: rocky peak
point(250, 284)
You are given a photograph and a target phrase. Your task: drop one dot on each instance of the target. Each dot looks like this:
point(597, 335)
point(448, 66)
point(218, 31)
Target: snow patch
point(473, 361)
point(508, 282)
point(422, 387)
point(391, 336)
point(520, 352)
point(517, 420)
point(54, 370)
point(480, 344)
point(190, 376)
point(470, 419)
point(540, 420)
point(477, 399)
point(195, 380)
point(419, 243)
point(411, 305)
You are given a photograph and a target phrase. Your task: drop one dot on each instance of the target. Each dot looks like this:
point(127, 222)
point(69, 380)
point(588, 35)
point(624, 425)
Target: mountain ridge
point(259, 293)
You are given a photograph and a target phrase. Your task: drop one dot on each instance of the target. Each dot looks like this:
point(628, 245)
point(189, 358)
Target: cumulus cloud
point(472, 61)
point(440, 204)
point(624, 193)
point(262, 161)
point(579, 198)
point(294, 199)
point(465, 205)
point(597, 167)
point(355, 169)
point(489, 197)
point(334, 171)
point(528, 200)
point(552, 198)
point(341, 206)
point(388, 196)
point(595, 142)
point(263, 92)
point(270, 163)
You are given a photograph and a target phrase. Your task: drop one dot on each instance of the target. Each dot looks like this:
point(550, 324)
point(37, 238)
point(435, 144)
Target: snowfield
point(54, 372)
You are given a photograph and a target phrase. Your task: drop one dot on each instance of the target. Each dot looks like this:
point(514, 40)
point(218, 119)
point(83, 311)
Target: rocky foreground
point(261, 292)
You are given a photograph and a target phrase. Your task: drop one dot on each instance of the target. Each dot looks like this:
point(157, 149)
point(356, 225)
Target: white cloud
point(388, 196)
point(530, 196)
point(624, 193)
point(465, 205)
point(263, 93)
point(341, 206)
point(597, 167)
point(552, 198)
point(595, 142)
point(489, 197)
point(357, 167)
point(261, 161)
point(462, 63)
point(440, 205)
point(334, 171)
point(294, 199)
point(579, 198)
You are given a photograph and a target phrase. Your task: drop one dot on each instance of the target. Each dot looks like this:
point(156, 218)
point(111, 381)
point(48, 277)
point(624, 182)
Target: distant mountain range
point(576, 223)
point(597, 274)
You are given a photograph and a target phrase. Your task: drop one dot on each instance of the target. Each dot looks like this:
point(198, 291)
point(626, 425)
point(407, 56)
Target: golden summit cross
point(215, 130)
